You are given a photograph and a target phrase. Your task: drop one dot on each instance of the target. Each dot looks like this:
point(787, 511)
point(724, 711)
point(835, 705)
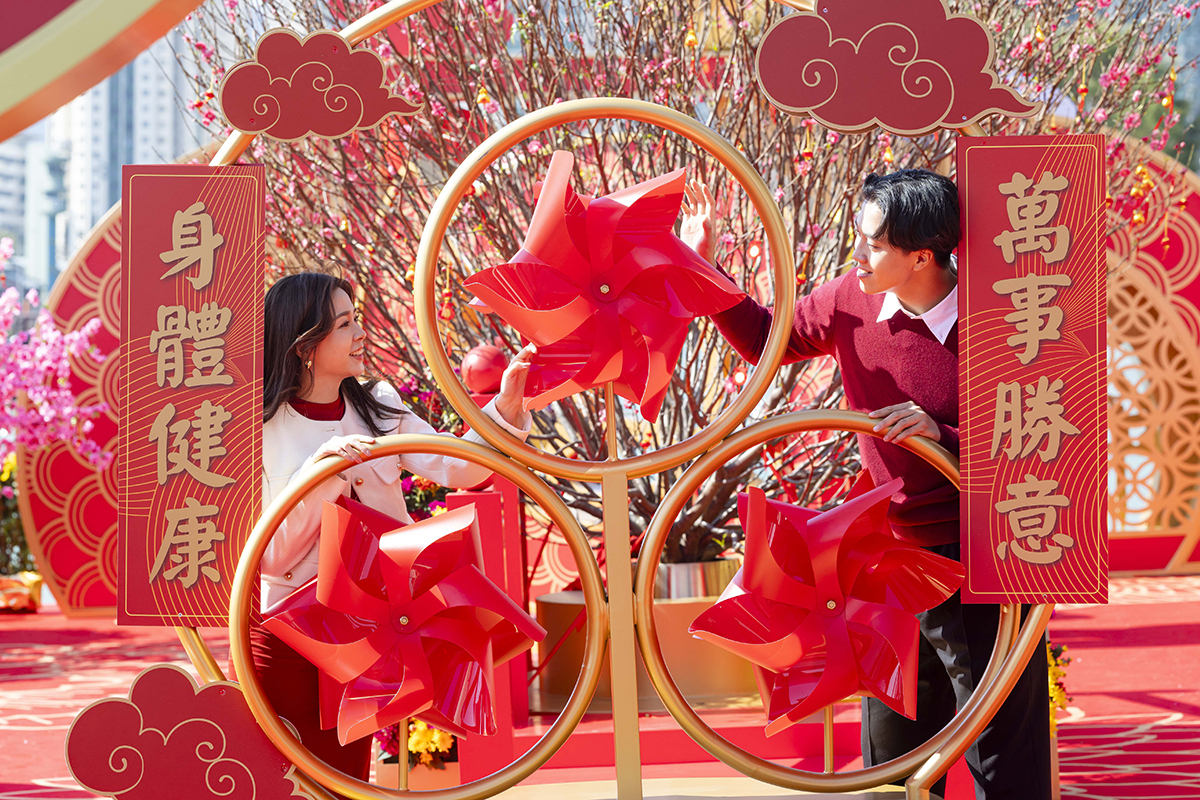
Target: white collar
point(940, 318)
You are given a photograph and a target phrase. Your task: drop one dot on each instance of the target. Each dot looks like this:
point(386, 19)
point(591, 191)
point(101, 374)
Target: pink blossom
point(37, 406)
point(1182, 11)
point(832, 137)
point(728, 238)
point(491, 107)
point(1132, 121)
point(815, 231)
point(779, 195)
point(1100, 115)
point(534, 146)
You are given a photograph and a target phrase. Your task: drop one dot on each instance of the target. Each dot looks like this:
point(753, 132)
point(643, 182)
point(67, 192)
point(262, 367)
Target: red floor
point(1133, 729)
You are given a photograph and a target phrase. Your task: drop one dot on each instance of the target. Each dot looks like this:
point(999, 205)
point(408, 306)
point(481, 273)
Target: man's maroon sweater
point(882, 363)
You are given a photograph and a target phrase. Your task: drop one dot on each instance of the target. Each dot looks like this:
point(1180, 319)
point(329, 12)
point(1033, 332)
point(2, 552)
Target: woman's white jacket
point(289, 443)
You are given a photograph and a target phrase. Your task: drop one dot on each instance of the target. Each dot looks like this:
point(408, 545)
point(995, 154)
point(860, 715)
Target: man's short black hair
point(920, 211)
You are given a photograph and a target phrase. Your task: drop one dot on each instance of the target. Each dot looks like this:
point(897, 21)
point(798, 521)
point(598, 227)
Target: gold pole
point(403, 753)
point(828, 719)
point(201, 657)
point(614, 489)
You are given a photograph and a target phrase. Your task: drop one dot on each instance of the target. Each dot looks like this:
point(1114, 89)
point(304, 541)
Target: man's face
point(881, 267)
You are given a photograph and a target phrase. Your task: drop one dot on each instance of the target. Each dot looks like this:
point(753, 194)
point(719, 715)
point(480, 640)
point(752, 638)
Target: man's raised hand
point(696, 229)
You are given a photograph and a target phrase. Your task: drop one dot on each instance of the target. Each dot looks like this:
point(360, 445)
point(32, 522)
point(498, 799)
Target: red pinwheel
point(401, 622)
point(604, 289)
point(824, 604)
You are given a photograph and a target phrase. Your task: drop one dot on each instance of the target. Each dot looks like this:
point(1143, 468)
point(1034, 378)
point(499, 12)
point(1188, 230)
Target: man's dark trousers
point(1011, 758)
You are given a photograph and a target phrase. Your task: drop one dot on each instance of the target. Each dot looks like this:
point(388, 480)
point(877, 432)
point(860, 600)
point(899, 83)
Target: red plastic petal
point(824, 604)
point(428, 649)
point(604, 288)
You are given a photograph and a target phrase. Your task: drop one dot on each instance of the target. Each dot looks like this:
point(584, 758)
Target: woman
point(315, 404)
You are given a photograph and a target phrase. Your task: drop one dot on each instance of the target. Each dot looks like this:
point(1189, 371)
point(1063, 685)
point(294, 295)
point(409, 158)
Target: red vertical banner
point(190, 455)
point(1032, 369)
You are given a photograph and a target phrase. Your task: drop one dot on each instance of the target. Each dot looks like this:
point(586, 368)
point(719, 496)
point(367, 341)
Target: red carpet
point(1133, 726)
point(1132, 731)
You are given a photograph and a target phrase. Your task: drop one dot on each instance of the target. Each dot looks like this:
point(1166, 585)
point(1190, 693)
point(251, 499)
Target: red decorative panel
point(190, 463)
point(1032, 390)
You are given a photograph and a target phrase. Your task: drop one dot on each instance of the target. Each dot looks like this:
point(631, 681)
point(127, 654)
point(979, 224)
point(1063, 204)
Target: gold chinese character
point(193, 242)
point(195, 456)
point(167, 342)
point(1042, 419)
point(1032, 516)
point(207, 326)
point(192, 541)
point(1035, 319)
point(205, 329)
point(1030, 217)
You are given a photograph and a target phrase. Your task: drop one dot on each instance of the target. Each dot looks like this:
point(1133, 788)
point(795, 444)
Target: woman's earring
point(308, 365)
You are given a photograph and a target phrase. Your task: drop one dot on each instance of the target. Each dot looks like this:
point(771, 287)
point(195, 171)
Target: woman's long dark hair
point(297, 315)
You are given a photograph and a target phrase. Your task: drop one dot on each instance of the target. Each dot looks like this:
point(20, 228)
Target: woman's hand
point(511, 400)
point(696, 229)
point(904, 420)
point(352, 448)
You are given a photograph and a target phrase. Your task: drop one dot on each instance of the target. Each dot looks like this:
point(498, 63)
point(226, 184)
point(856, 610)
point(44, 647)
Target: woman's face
point(340, 353)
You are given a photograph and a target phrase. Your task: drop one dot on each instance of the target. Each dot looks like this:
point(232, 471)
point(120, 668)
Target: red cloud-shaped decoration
point(824, 604)
point(170, 739)
point(318, 84)
point(909, 67)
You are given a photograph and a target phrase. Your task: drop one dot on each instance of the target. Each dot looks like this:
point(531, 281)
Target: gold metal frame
point(596, 630)
point(493, 149)
point(931, 759)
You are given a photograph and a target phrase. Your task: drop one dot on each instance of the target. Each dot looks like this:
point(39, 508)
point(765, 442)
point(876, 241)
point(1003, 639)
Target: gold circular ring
point(494, 148)
point(243, 591)
point(647, 565)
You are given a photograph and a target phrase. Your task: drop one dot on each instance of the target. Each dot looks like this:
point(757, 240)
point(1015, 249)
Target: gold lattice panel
point(1154, 380)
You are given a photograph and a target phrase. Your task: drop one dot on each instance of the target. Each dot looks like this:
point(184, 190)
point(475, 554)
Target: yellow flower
point(10, 464)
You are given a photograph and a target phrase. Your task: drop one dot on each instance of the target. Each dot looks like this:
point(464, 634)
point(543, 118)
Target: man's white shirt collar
point(940, 318)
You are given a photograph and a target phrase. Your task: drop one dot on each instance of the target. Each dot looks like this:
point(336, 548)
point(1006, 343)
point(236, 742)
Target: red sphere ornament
point(482, 368)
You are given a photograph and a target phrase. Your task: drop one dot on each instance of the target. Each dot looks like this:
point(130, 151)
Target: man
point(892, 326)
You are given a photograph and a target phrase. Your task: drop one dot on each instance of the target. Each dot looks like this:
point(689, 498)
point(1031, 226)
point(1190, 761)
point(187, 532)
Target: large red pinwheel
point(824, 604)
point(401, 622)
point(604, 289)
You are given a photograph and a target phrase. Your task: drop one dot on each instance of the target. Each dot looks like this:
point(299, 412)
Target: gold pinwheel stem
point(614, 490)
point(828, 739)
point(403, 753)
